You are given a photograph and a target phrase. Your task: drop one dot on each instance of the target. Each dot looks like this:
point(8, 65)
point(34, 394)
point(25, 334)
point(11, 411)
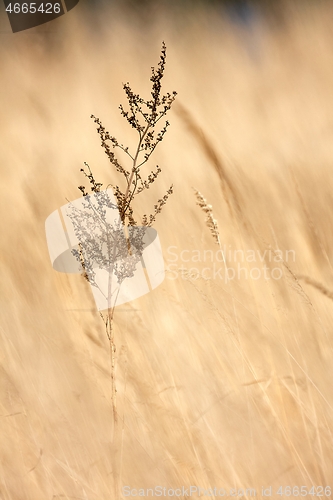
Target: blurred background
point(220, 384)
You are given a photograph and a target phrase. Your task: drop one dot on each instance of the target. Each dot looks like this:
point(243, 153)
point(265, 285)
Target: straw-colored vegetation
point(221, 383)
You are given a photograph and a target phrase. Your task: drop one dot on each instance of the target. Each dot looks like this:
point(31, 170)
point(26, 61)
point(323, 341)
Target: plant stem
point(134, 169)
point(110, 333)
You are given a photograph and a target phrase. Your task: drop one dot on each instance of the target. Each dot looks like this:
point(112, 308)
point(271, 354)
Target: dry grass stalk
point(213, 156)
point(211, 222)
point(317, 285)
point(315, 238)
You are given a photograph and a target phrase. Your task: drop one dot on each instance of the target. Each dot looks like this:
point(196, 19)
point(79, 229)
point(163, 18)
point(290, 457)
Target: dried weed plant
point(117, 246)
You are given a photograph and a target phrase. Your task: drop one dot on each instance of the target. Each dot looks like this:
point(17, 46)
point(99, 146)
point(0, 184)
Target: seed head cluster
point(144, 116)
point(211, 222)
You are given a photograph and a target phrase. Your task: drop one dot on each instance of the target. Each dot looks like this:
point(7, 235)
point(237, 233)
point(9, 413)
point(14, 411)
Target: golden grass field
point(225, 385)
